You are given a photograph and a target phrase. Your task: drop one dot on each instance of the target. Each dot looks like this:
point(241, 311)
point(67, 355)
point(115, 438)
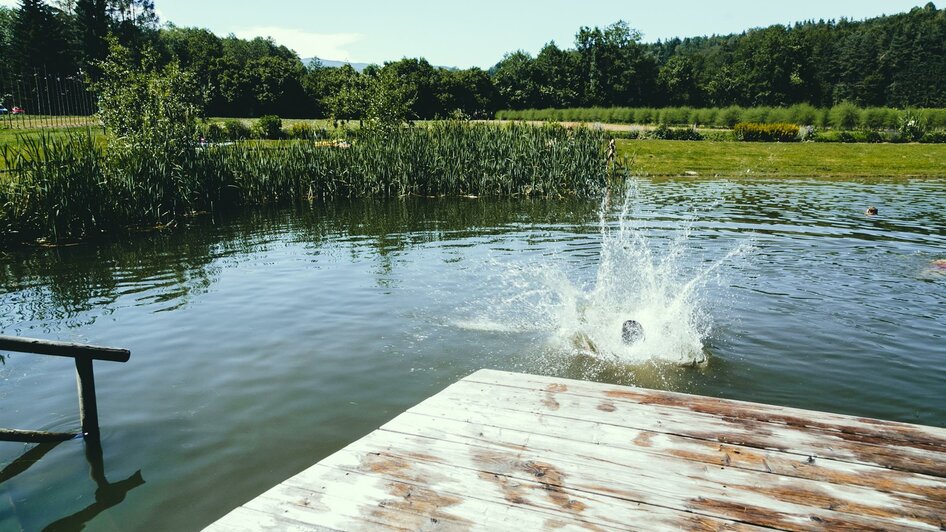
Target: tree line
point(896, 61)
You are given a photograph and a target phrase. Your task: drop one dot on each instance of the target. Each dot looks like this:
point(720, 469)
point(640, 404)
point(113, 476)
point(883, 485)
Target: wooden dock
point(505, 451)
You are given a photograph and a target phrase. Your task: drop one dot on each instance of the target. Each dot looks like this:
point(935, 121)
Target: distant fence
point(40, 99)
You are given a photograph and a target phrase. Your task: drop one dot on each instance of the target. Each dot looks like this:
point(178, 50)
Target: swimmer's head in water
point(871, 211)
point(632, 332)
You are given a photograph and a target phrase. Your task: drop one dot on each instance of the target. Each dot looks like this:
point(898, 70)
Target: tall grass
point(63, 189)
point(841, 116)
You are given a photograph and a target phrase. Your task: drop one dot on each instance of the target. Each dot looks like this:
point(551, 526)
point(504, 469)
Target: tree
point(347, 97)
point(7, 23)
point(388, 101)
point(468, 92)
point(616, 68)
point(515, 80)
point(421, 81)
point(92, 28)
point(152, 114)
point(677, 82)
point(38, 40)
point(557, 74)
point(134, 23)
point(771, 66)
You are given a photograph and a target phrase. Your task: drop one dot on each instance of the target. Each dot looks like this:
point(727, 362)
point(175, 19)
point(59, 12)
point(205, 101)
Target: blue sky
point(478, 33)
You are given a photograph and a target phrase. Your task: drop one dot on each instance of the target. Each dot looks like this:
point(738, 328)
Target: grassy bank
point(740, 159)
point(63, 189)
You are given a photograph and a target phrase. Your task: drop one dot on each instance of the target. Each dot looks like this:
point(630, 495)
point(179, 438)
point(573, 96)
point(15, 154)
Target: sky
point(478, 33)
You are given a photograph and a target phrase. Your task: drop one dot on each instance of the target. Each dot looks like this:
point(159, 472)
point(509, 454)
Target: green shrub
point(236, 130)
point(846, 137)
point(751, 132)
point(879, 118)
point(731, 116)
point(629, 135)
point(301, 130)
point(645, 115)
point(676, 115)
point(719, 136)
point(934, 137)
point(802, 114)
point(911, 126)
point(822, 136)
point(214, 133)
point(662, 132)
point(756, 115)
point(934, 118)
point(269, 127)
point(845, 115)
point(705, 117)
point(623, 115)
point(874, 137)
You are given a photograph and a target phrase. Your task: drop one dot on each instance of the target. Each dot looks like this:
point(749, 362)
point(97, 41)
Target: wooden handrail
point(85, 381)
point(63, 349)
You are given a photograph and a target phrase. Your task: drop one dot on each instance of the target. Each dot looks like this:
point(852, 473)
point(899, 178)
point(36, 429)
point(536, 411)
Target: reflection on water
point(106, 495)
point(168, 268)
point(262, 342)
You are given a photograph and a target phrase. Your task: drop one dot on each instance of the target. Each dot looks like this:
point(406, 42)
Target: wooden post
point(85, 382)
point(88, 411)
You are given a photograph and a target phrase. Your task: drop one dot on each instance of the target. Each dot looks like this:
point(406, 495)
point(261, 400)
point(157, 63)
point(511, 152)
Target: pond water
point(263, 342)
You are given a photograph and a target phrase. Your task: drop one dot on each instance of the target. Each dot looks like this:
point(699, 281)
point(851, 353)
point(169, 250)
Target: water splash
point(641, 275)
point(639, 279)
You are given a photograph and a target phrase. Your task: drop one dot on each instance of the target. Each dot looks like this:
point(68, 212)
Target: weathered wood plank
point(869, 430)
point(556, 400)
point(772, 501)
point(477, 499)
point(499, 451)
point(244, 519)
point(493, 427)
point(391, 500)
point(63, 349)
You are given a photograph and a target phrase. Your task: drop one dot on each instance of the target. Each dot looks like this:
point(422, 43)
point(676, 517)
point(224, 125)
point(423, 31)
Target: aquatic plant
point(73, 187)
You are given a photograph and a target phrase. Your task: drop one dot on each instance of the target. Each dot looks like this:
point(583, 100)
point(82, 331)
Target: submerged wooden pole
point(88, 409)
point(34, 436)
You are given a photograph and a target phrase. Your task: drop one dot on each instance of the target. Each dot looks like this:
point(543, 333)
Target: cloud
point(10, 3)
point(306, 44)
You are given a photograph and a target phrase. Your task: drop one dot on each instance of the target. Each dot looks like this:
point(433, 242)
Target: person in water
point(871, 211)
point(632, 332)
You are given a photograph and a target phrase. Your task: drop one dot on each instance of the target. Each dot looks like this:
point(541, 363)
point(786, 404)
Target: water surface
point(265, 341)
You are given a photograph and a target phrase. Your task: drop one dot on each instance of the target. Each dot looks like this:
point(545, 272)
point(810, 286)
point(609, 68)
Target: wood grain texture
point(505, 451)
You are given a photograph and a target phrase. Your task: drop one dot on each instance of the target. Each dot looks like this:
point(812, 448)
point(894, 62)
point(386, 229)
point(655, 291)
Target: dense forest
point(897, 61)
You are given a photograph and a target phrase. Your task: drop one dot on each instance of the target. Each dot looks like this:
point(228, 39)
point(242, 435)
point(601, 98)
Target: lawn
point(804, 159)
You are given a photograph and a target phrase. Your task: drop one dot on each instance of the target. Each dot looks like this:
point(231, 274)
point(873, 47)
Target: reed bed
point(62, 189)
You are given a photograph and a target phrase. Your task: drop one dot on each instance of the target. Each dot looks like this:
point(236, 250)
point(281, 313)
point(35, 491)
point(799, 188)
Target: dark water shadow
point(24, 462)
point(107, 494)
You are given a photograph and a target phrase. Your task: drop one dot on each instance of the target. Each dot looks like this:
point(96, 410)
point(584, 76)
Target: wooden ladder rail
point(85, 382)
